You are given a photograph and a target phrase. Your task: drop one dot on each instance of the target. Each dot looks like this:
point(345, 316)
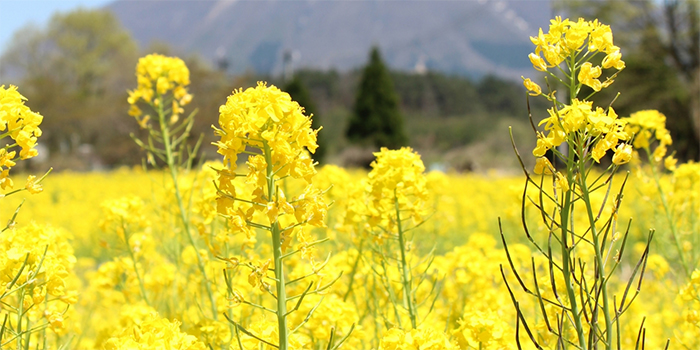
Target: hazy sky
point(15, 14)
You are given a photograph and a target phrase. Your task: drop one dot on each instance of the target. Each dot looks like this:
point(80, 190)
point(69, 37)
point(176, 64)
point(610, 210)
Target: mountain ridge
point(463, 37)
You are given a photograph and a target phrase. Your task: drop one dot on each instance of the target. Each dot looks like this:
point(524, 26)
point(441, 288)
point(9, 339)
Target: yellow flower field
point(473, 304)
point(280, 253)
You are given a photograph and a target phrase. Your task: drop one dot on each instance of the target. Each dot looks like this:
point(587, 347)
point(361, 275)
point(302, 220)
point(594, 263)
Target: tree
point(683, 25)
point(74, 72)
point(376, 119)
point(298, 91)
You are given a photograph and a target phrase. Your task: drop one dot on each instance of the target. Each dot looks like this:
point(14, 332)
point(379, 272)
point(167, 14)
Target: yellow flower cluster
point(397, 183)
point(424, 338)
point(647, 125)
point(156, 76)
point(144, 329)
point(267, 119)
point(19, 123)
point(483, 329)
point(580, 121)
point(122, 214)
point(36, 263)
point(568, 38)
point(471, 294)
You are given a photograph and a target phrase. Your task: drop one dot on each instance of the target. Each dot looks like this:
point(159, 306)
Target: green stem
point(572, 79)
point(170, 159)
point(599, 260)
point(406, 279)
point(20, 313)
point(565, 252)
point(277, 252)
point(353, 272)
point(566, 211)
point(136, 270)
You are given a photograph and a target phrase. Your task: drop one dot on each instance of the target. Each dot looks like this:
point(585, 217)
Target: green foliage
point(376, 119)
point(500, 95)
point(73, 71)
point(437, 94)
point(298, 91)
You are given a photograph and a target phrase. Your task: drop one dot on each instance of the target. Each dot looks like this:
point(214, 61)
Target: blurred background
point(448, 71)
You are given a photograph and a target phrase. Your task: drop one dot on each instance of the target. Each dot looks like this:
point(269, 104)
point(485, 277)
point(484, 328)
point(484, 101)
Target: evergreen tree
point(376, 119)
point(298, 91)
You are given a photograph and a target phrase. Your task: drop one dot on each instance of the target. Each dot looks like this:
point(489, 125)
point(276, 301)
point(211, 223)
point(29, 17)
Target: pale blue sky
point(15, 14)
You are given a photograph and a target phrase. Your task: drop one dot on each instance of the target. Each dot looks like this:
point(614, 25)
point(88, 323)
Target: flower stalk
point(267, 120)
point(164, 80)
point(587, 133)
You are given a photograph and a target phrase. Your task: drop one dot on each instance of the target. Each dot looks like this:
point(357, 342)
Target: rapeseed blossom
point(420, 338)
point(267, 119)
point(36, 264)
point(581, 120)
point(267, 116)
point(157, 75)
point(21, 124)
point(144, 329)
point(566, 38)
point(648, 126)
point(397, 183)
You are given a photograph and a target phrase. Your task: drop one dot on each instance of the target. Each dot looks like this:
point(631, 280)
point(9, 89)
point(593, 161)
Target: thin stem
point(600, 264)
point(133, 261)
point(406, 279)
point(170, 159)
point(20, 314)
point(354, 270)
point(277, 252)
point(564, 218)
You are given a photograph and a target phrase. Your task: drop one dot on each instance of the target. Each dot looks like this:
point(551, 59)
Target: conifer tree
point(298, 91)
point(376, 119)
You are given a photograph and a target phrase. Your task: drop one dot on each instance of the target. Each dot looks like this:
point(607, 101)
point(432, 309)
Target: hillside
point(464, 37)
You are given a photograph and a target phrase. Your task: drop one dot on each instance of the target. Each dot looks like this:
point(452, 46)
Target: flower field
point(264, 249)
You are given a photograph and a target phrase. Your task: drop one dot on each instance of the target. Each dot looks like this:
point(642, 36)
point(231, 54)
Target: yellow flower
point(396, 176)
point(647, 124)
point(543, 145)
point(264, 115)
point(567, 38)
point(266, 118)
point(670, 163)
point(32, 186)
point(557, 28)
point(165, 74)
point(588, 75)
point(543, 166)
point(532, 87)
point(623, 154)
point(538, 62)
point(576, 34)
point(424, 337)
point(21, 123)
point(554, 55)
point(562, 182)
point(145, 329)
point(601, 37)
point(614, 59)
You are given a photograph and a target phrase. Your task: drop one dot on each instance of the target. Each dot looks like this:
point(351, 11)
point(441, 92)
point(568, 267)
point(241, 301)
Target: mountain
point(464, 37)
